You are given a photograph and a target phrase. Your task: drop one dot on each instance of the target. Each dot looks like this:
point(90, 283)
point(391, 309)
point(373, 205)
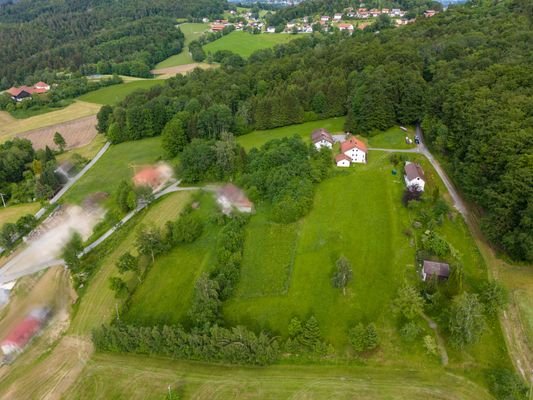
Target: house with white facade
point(342, 160)
point(414, 175)
point(337, 17)
point(324, 18)
point(346, 27)
point(322, 138)
point(355, 149)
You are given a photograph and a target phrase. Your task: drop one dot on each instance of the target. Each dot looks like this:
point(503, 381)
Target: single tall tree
point(149, 241)
point(59, 141)
point(467, 321)
point(343, 274)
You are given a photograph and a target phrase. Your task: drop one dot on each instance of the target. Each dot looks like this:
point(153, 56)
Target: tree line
point(451, 73)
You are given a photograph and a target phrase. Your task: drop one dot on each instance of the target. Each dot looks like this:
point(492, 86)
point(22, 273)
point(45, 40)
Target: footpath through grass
point(115, 93)
point(115, 165)
point(244, 43)
point(192, 31)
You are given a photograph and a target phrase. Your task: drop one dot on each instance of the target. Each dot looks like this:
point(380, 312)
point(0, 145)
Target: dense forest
point(465, 75)
point(97, 36)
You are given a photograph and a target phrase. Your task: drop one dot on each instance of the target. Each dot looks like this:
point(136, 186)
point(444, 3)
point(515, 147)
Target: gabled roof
point(351, 143)
point(436, 269)
point(413, 171)
point(340, 157)
point(41, 84)
point(234, 195)
point(15, 91)
point(321, 134)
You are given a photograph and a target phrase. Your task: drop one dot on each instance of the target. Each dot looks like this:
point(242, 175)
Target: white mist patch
point(46, 243)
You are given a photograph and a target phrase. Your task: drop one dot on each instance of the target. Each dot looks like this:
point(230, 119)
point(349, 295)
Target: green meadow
point(192, 31)
point(244, 43)
point(115, 93)
point(115, 165)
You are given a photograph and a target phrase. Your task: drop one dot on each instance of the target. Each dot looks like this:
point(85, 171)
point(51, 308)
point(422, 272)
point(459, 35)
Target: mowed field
point(244, 43)
point(13, 213)
point(115, 165)
point(111, 376)
point(116, 93)
point(10, 126)
point(77, 133)
point(192, 31)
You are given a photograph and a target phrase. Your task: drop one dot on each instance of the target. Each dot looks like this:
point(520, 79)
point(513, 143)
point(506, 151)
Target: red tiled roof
point(234, 195)
point(351, 143)
point(41, 84)
point(340, 157)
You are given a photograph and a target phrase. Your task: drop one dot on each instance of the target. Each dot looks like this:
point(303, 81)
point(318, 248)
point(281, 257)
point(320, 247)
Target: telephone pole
point(3, 201)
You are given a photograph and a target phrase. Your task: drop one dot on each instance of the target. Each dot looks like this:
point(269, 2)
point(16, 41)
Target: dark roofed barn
point(435, 269)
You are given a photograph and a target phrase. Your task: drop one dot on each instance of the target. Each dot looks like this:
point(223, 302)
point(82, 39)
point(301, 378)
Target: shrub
point(410, 331)
point(364, 338)
point(494, 297)
point(506, 385)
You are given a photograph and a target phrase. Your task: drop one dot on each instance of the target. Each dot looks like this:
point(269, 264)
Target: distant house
point(375, 12)
point(429, 13)
point(414, 176)
point(324, 18)
point(342, 160)
point(230, 196)
point(433, 269)
point(25, 92)
point(346, 27)
point(337, 17)
point(20, 336)
point(271, 29)
point(217, 27)
point(42, 86)
point(322, 138)
point(355, 149)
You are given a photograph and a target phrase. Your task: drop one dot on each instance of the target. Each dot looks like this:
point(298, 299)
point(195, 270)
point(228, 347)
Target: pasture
point(192, 31)
point(393, 138)
point(115, 93)
point(115, 165)
point(10, 127)
point(14, 212)
point(244, 43)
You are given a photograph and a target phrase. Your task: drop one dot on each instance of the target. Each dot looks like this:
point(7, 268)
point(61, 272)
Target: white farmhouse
point(322, 138)
point(337, 17)
point(355, 149)
point(414, 175)
point(342, 160)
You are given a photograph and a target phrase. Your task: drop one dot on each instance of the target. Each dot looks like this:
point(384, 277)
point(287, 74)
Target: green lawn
point(192, 31)
point(13, 213)
point(166, 293)
point(244, 43)
point(393, 138)
point(258, 138)
point(114, 166)
point(116, 93)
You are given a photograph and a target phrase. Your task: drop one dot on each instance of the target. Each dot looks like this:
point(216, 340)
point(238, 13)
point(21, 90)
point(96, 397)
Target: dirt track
point(170, 72)
point(77, 133)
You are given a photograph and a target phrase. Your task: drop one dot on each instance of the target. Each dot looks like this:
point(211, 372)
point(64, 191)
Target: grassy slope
point(12, 213)
point(191, 31)
point(114, 166)
point(88, 151)
point(258, 138)
point(98, 302)
point(245, 44)
point(10, 126)
point(115, 93)
point(393, 138)
point(108, 376)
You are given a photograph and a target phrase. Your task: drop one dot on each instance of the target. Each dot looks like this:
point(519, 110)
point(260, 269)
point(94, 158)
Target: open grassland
point(98, 302)
point(258, 138)
point(115, 165)
point(393, 138)
point(244, 43)
point(10, 126)
point(116, 93)
point(170, 282)
point(192, 31)
point(12, 213)
point(88, 151)
point(109, 376)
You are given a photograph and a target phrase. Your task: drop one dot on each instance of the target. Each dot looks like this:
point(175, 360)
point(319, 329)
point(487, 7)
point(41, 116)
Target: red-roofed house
point(433, 269)
point(217, 27)
point(355, 149)
point(346, 27)
point(25, 92)
point(42, 86)
point(342, 160)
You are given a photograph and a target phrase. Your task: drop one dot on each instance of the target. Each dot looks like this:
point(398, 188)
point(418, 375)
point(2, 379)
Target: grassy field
point(98, 302)
point(88, 151)
point(38, 110)
point(258, 138)
point(116, 93)
point(10, 126)
point(13, 213)
point(192, 31)
point(393, 138)
point(245, 44)
point(114, 166)
point(169, 284)
point(109, 376)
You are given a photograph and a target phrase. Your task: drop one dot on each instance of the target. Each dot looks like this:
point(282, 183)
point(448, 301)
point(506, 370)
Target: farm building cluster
point(25, 92)
point(352, 150)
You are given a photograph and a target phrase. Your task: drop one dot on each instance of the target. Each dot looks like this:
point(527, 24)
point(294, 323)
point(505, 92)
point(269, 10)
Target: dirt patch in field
point(77, 133)
point(170, 72)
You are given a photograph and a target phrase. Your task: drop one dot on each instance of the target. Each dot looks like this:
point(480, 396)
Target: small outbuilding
point(342, 160)
point(322, 138)
point(414, 176)
point(434, 269)
point(230, 196)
